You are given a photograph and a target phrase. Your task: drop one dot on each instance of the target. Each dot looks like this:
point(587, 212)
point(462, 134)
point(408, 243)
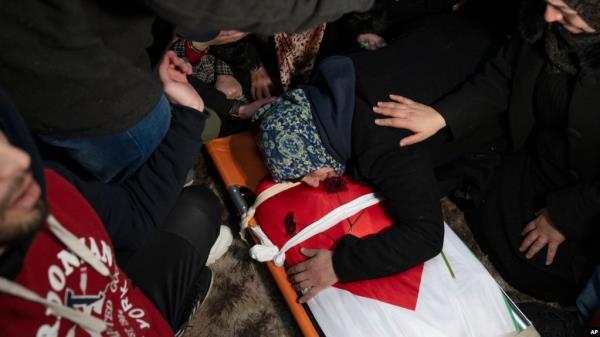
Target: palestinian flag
point(451, 295)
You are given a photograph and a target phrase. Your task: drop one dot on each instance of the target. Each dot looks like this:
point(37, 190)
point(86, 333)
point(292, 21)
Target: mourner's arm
point(483, 97)
point(404, 178)
point(474, 104)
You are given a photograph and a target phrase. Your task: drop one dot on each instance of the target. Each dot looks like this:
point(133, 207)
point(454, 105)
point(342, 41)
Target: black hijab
point(566, 52)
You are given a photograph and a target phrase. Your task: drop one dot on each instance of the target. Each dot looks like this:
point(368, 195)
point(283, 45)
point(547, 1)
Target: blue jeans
point(113, 158)
point(589, 299)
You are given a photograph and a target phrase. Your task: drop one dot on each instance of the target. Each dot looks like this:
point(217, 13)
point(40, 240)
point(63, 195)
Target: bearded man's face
point(22, 210)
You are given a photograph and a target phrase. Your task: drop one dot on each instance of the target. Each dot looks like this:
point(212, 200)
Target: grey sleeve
point(257, 16)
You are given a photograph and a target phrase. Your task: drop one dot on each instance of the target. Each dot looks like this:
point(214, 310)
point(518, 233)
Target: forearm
point(483, 98)
point(405, 180)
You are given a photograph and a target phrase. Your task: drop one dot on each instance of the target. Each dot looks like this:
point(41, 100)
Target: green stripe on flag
point(448, 265)
point(512, 314)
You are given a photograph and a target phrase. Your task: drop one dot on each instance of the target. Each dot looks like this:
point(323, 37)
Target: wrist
point(441, 121)
point(197, 106)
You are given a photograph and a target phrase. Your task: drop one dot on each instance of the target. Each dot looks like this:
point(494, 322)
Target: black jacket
point(81, 68)
point(506, 86)
point(404, 176)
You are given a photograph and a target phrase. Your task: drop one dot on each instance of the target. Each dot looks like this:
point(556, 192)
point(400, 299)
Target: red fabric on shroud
point(309, 205)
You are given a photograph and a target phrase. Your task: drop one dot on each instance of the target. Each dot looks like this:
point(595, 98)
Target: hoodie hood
point(17, 133)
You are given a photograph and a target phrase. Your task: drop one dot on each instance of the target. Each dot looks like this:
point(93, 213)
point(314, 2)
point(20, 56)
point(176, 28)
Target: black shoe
point(201, 290)
point(552, 322)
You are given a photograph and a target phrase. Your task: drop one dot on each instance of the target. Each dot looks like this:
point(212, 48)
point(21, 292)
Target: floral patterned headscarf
point(289, 139)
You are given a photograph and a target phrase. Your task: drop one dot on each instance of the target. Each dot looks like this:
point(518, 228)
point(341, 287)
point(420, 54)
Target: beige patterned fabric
point(296, 55)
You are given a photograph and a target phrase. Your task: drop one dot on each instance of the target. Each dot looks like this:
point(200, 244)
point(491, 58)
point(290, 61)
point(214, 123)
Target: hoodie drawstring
point(86, 322)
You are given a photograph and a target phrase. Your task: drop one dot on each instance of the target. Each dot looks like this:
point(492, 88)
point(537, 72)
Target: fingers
point(552, 249)
point(260, 92)
point(299, 268)
point(178, 63)
point(254, 92)
point(392, 112)
point(299, 278)
point(309, 252)
point(299, 286)
point(402, 99)
point(530, 226)
point(413, 139)
point(401, 107)
point(394, 122)
point(529, 239)
point(265, 92)
point(173, 69)
point(309, 295)
point(540, 243)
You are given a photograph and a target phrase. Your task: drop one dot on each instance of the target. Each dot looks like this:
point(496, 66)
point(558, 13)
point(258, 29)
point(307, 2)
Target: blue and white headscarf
point(289, 139)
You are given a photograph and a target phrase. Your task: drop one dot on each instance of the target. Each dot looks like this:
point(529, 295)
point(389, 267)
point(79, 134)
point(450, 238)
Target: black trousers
point(169, 266)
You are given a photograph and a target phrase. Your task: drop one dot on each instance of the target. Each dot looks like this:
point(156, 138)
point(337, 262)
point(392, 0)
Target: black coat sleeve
point(575, 209)
point(484, 96)
point(257, 16)
point(404, 178)
point(134, 208)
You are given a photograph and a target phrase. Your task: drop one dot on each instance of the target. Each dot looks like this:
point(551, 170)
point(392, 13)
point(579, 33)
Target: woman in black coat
point(536, 219)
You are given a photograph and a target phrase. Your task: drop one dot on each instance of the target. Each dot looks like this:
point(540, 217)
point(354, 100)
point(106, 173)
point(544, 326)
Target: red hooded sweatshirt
point(70, 284)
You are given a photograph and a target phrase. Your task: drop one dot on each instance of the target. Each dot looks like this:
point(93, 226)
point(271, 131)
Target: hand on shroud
point(313, 275)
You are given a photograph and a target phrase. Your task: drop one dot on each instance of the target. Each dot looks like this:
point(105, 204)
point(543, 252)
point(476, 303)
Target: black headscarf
point(566, 52)
point(331, 96)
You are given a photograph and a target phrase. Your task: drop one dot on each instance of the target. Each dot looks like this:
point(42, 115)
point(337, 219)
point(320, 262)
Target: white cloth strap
point(264, 196)
point(87, 322)
point(267, 251)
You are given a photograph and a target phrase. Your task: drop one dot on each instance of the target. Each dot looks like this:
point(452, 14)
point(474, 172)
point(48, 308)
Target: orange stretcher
point(239, 162)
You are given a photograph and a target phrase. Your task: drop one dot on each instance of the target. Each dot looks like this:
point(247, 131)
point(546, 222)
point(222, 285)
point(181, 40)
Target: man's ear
point(311, 180)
